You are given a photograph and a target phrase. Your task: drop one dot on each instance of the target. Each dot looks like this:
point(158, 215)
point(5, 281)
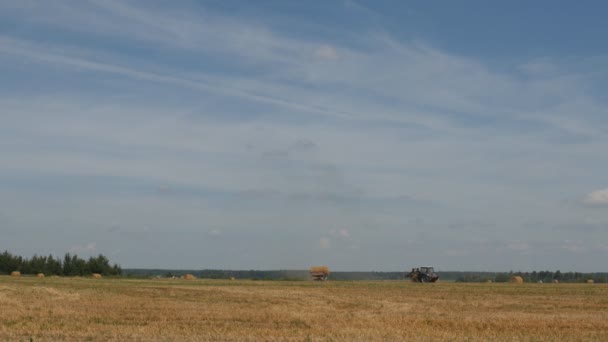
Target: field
point(51, 309)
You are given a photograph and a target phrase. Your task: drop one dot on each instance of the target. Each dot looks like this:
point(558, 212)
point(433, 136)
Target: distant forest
point(468, 277)
point(534, 277)
point(70, 265)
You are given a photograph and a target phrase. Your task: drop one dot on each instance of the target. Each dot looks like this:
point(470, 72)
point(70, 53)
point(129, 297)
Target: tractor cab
point(427, 270)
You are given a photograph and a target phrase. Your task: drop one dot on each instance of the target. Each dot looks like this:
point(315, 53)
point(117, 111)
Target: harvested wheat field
point(162, 310)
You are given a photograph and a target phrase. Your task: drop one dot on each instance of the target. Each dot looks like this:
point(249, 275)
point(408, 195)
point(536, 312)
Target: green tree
point(557, 275)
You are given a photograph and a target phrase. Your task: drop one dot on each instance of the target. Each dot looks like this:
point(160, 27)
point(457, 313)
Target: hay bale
point(590, 281)
point(319, 272)
point(489, 281)
point(516, 280)
point(189, 276)
point(232, 278)
point(96, 275)
point(15, 274)
point(40, 275)
point(555, 281)
point(319, 269)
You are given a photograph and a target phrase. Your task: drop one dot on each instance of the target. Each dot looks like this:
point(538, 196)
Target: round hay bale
point(40, 275)
point(189, 276)
point(516, 280)
point(555, 281)
point(590, 281)
point(15, 274)
point(96, 275)
point(232, 278)
point(489, 281)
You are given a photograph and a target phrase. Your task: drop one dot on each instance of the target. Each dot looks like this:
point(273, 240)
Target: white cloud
point(574, 246)
point(540, 67)
point(592, 221)
point(456, 252)
point(214, 233)
point(521, 246)
point(340, 233)
point(88, 248)
point(326, 52)
point(597, 198)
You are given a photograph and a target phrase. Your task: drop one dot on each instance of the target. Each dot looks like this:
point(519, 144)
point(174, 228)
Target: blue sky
point(277, 135)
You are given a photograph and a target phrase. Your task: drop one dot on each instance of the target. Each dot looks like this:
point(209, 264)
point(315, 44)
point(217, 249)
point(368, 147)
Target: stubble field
point(82, 309)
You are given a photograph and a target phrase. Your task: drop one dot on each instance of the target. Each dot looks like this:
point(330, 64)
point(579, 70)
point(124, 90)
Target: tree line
point(533, 277)
point(70, 265)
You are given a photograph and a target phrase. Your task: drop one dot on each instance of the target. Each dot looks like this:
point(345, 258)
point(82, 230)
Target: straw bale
point(319, 269)
point(517, 280)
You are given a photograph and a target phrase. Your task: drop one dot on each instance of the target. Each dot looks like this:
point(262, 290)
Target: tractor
point(424, 274)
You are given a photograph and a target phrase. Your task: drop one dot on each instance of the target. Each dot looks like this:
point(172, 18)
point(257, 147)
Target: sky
point(362, 135)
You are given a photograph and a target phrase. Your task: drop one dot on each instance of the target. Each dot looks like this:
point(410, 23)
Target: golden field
point(84, 309)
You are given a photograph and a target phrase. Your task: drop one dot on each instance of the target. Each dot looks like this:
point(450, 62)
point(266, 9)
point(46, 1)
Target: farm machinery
point(424, 274)
point(320, 273)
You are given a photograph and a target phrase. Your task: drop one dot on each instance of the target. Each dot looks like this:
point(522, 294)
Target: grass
point(166, 310)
